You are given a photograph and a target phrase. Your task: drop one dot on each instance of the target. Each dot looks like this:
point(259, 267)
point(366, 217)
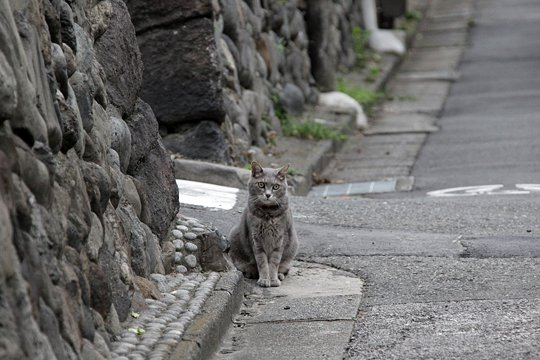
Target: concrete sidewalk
point(310, 316)
point(388, 149)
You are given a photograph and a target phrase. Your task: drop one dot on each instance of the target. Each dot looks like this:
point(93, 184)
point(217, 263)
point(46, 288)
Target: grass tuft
point(367, 98)
point(309, 129)
point(360, 44)
point(306, 129)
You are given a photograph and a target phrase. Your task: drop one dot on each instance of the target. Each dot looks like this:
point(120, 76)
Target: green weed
point(360, 44)
point(367, 98)
point(413, 15)
point(306, 129)
point(309, 129)
point(292, 171)
point(410, 20)
point(373, 72)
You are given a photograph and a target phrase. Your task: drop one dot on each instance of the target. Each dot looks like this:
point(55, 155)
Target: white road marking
point(520, 189)
point(206, 195)
point(529, 187)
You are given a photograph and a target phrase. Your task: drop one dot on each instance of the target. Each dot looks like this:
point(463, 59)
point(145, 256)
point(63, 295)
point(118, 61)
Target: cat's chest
point(268, 230)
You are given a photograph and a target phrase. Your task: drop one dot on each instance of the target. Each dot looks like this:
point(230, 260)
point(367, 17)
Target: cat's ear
point(282, 173)
point(256, 169)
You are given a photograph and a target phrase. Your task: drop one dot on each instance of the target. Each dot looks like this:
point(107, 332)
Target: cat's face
point(268, 187)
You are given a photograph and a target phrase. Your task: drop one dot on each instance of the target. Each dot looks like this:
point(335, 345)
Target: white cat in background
point(341, 101)
point(382, 41)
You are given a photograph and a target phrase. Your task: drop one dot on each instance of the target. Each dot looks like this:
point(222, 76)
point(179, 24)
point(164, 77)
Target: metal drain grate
point(351, 189)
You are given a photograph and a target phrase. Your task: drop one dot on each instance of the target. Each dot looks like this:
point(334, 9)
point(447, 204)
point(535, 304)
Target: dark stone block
point(49, 326)
point(67, 31)
point(211, 253)
point(98, 187)
point(323, 65)
point(205, 141)
point(69, 176)
point(165, 12)
point(118, 290)
point(71, 127)
point(82, 89)
point(117, 48)
point(101, 298)
point(182, 78)
point(152, 168)
point(52, 18)
point(86, 324)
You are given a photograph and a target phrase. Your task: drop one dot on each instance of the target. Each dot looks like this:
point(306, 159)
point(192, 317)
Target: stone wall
point(215, 69)
point(86, 188)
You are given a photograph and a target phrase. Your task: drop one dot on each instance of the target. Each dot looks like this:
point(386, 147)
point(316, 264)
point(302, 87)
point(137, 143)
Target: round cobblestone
point(130, 340)
point(190, 260)
point(137, 355)
point(181, 269)
point(169, 341)
point(183, 295)
point(174, 332)
point(178, 244)
point(178, 257)
point(160, 320)
point(191, 247)
point(182, 228)
point(144, 348)
point(191, 284)
point(168, 298)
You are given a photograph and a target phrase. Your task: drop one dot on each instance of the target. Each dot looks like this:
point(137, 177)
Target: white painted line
point(349, 189)
point(520, 189)
point(371, 186)
point(528, 187)
point(206, 195)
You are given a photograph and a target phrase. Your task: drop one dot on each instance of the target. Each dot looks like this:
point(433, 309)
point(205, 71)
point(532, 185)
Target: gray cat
point(264, 244)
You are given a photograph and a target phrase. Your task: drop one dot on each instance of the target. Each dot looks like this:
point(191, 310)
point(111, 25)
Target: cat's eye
point(260, 184)
point(275, 187)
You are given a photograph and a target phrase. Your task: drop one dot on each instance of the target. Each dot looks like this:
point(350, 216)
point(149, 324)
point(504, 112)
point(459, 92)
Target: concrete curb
point(217, 174)
point(203, 336)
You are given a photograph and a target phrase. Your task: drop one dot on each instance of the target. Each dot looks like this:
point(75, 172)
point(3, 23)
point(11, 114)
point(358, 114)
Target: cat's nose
point(268, 196)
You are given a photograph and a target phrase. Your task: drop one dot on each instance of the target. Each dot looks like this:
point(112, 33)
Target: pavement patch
point(300, 340)
point(326, 240)
point(477, 329)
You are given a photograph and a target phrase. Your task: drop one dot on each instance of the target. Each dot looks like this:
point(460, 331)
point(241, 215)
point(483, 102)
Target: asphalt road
point(459, 276)
point(490, 127)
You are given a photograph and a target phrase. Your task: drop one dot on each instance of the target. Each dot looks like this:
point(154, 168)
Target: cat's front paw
point(280, 276)
point(275, 283)
point(263, 282)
